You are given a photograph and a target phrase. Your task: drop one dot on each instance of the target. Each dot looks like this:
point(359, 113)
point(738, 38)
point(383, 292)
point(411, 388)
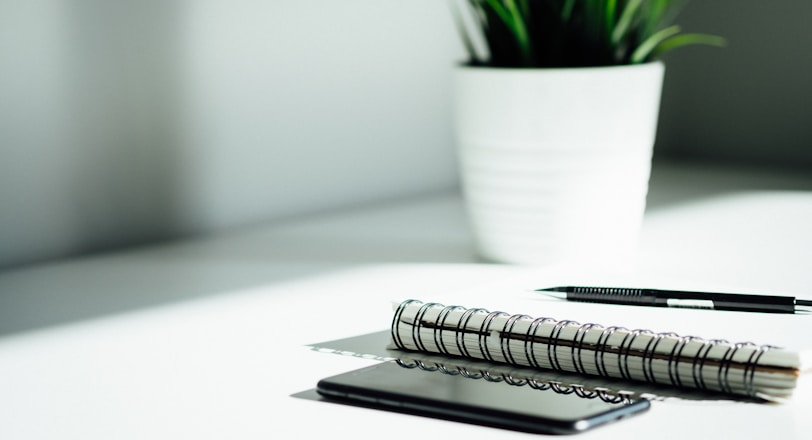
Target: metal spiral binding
point(507, 329)
point(534, 383)
point(750, 369)
point(625, 350)
point(649, 353)
point(394, 329)
point(530, 341)
point(459, 334)
point(602, 347)
point(418, 338)
point(579, 359)
point(484, 331)
point(438, 333)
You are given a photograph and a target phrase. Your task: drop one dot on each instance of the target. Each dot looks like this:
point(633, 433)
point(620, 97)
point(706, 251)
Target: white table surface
point(208, 338)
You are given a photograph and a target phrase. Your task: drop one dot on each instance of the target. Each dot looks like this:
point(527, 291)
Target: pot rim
point(466, 66)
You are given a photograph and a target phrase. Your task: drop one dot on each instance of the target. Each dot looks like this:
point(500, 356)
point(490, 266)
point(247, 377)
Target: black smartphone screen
point(477, 399)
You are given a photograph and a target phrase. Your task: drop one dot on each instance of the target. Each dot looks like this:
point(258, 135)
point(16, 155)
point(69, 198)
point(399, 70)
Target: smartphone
point(479, 399)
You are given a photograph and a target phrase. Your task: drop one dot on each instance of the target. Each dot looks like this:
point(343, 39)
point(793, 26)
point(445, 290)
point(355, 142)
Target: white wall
point(124, 122)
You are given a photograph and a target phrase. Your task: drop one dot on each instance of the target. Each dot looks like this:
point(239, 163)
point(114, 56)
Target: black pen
point(676, 298)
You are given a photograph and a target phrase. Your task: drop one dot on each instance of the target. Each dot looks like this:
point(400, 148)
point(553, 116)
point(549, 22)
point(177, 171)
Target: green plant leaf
point(566, 10)
point(609, 17)
point(525, 7)
point(501, 11)
point(641, 54)
point(687, 40)
point(625, 20)
point(656, 14)
point(570, 33)
point(520, 29)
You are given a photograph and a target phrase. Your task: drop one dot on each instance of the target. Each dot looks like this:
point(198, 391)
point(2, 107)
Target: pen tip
point(552, 289)
point(556, 295)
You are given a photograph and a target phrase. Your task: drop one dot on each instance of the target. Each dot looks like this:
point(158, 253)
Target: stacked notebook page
point(743, 369)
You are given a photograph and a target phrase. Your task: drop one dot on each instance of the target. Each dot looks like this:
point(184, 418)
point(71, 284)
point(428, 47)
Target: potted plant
point(555, 118)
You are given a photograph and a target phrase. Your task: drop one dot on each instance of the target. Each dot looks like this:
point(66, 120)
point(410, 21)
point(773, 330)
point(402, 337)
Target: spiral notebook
point(745, 369)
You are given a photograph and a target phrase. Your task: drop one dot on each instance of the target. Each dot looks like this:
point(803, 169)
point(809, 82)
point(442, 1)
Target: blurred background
point(131, 122)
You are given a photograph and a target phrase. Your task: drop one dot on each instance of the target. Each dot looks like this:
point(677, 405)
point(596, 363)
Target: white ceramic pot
point(555, 162)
